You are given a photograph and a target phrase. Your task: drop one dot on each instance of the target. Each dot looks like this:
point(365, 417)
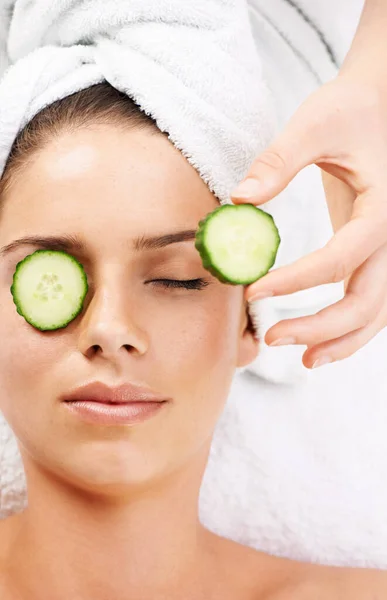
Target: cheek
point(197, 350)
point(28, 369)
point(26, 357)
point(196, 362)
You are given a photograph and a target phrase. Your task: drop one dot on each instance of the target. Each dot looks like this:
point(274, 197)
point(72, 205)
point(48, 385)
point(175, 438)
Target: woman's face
point(108, 186)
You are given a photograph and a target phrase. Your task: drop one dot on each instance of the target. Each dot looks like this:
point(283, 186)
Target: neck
point(149, 545)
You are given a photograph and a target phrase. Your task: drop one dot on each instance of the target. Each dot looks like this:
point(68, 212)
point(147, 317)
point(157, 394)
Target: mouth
point(126, 404)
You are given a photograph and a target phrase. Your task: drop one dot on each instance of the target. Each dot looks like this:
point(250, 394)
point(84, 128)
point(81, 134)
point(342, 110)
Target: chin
point(111, 476)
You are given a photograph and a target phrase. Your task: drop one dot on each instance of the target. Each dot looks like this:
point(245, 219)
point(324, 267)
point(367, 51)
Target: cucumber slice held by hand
point(49, 288)
point(238, 243)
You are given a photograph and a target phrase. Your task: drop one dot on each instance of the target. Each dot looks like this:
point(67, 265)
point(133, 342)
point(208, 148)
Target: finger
point(363, 301)
point(348, 249)
point(345, 346)
point(340, 198)
point(272, 170)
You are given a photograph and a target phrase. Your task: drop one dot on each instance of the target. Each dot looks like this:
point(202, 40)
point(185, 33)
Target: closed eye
point(190, 284)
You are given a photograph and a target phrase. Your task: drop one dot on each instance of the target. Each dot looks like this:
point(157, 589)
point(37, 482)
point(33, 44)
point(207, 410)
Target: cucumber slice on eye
point(49, 288)
point(238, 243)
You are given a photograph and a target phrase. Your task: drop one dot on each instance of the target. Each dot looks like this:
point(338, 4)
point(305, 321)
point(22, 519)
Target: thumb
point(276, 166)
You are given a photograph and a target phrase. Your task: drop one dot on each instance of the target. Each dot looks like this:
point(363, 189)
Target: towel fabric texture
point(222, 77)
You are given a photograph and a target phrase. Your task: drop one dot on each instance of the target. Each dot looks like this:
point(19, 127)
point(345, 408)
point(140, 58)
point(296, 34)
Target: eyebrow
point(72, 243)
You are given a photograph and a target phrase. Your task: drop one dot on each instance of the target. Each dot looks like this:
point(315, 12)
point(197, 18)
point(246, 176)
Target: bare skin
point(113, 511)
point(230, 571)
point(227, 570)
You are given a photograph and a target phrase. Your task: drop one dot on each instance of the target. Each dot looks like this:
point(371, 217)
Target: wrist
point(365, 79)
point(366, 60)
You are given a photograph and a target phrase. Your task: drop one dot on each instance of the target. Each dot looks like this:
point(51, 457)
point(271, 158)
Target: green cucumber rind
point(15, 298)
point(202, 248)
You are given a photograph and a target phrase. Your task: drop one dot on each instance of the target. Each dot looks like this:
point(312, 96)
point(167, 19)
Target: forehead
point(108, 175)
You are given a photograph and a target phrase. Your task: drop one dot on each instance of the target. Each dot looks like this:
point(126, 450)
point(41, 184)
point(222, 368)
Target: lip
point(97, 391)
point(126, 404)
point(128, 413)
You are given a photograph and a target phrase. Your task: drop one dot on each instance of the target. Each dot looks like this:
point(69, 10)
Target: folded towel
point(175, 58)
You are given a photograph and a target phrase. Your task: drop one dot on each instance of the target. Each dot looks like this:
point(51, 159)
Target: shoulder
point(251, 573)
point(259, 574)
point(318, 582)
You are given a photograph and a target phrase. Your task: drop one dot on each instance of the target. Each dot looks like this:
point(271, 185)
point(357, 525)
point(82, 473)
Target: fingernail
point(283, 341)
point(260, 296)
point(247, 189)
point(324, 360)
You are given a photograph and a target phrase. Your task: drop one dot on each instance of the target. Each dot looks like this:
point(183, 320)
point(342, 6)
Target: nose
point(108, 326)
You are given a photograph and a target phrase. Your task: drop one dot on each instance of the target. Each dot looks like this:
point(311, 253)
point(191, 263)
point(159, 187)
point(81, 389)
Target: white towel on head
point(174, 58)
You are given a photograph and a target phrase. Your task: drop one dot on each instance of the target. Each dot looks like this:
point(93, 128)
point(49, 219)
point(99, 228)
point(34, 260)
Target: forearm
point(367, 56)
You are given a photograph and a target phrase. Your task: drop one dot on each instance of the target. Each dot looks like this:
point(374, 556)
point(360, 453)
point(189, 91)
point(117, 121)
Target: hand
point(342, 128)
